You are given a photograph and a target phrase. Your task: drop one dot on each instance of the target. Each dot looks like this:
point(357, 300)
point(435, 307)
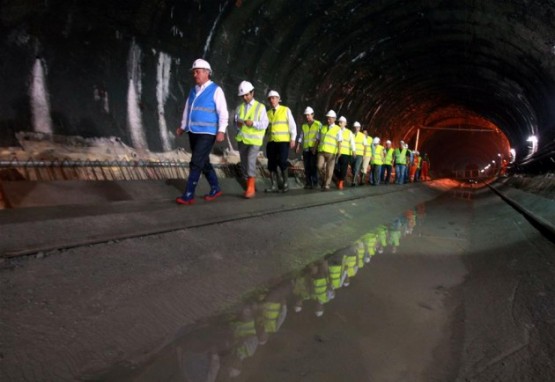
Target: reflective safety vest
point(250, 135)
point(335, 275)
point(388, 156)
point(310, 133)
point(419, 163)
point(202, 115)
point(346, 148)
point(371, 240)
point(270, 313)
point(300, 288)
point(377, 155)
point(382, 235)
point(351, 265)
point(241, 331)
point(320, 291)
point(395, 237)
point(278, 126)
point(328, 139)
point(369, 148)
point(361, 251)
point(400, 156)
point(359, 143)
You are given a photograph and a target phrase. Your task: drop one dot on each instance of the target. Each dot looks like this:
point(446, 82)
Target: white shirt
point(221, 107)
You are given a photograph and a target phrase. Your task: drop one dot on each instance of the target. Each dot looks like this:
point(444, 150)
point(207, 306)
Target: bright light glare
point(533, 139)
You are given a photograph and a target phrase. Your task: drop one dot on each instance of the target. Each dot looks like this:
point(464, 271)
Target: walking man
point(308, 139)
point(400, 156)
point(346, 151)
point(205, 121)
point(376, 161)
point(282, 131)
point(387, 163)
point(329, 139)
point(251, 121)
point(358, 155)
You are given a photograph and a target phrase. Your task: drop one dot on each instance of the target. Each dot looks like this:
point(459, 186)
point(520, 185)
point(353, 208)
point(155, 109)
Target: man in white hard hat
point(346, 151)
point(329, 143)
point(251, 121)
point(282, 132)
point(358, 156)
point(385, 175)
point(364, 171)
point(205, 119)
point(308, 142)
point(376, 161)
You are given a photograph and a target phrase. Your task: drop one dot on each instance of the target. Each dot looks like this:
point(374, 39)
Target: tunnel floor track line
point(13, 253)
point(543, 226)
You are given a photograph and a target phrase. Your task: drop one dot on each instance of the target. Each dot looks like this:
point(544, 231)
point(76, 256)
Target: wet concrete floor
point(461, 288)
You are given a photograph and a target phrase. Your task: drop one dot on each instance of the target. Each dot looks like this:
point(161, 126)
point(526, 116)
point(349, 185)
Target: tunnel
point(103, 278)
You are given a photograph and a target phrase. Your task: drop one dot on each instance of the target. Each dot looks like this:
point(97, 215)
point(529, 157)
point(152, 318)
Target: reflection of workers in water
point(245, 340)
point(350, 263)
point(411, 220)
point(382, 237)
point(395, 235)
point(272, 312)
point(337, 272)
point(322, 292)
point(370, 241)
point(301, 289)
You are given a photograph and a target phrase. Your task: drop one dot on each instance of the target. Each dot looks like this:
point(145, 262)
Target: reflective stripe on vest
point(335, 275)
point(419, 164)
point(388, 156)
point(361, 251)
point(310, 133)
point(320, 290)
point(359, 143)
point(400, 156)
point(346, 148)
point(203, 117)
point(382, 235)
point(328, 139)
point(278, 126)
point(377, 157)
point(369, 148)
point(270, 312)
point(250, 135)
point(244, 329)
point(350, 264)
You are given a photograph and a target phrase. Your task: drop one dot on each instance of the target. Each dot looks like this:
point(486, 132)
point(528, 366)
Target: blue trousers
point(400, 170)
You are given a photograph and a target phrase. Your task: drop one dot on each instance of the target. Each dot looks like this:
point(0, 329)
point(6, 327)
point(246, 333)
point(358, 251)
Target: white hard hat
point(201, 64)
point(319, 313)
point(331, 114)
point(298, 308)
point(376, 141)
point(308, 110)
point(245, 87)
point(356, 124)
point(273, 93)
point(388, 142)
point(342, 119)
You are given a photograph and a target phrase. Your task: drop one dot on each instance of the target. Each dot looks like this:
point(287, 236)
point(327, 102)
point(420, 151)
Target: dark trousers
point(277, 153)
point(201, 146)
point(310, 168)
point(386, 173)
point(343, 163)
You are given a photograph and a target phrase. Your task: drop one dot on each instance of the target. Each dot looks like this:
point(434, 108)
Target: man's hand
point(179, 131)
point(220, 137)
point(249, 123)
point(292, 144)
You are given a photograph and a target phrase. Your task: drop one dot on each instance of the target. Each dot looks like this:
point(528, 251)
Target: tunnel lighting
point(533, 139)
point(493, 161)
point(499, 155)
point(513, 155)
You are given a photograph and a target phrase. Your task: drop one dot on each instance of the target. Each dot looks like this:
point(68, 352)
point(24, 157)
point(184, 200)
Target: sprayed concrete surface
point(468, 295)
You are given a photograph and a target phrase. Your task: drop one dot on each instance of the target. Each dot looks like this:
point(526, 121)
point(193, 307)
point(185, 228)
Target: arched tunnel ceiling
point(393, 65)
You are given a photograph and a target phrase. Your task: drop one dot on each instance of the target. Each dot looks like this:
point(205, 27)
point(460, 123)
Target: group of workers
point(328, 150)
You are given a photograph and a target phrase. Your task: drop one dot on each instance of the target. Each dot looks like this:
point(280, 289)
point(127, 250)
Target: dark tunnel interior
point(469, 80)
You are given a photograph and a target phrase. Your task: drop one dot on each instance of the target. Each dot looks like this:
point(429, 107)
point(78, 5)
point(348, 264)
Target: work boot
point(279, 179)
point(251, 190)
point(273, 182)
point(215, 190)
point(285, 180)
point(340, 185)
point(188, 196)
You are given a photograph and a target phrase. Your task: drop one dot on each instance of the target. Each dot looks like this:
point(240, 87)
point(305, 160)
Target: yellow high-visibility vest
point(310, 134)
point(377, 157)
point(328, 139)
point(346, 148)
point(359, 143)
point(388, 156)
point(320, 286)
point(278, 126)
point(335, 275)
point(250, 135)
point(351, 265)
point(270, 313)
